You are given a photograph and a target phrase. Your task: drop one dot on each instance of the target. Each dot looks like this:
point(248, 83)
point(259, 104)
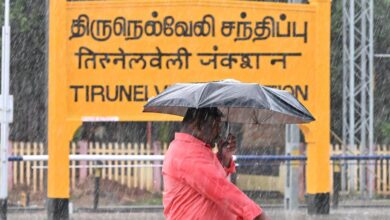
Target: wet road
point(340, 214)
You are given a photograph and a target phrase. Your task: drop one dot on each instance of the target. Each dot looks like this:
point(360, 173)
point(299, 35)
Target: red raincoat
point(196, 184)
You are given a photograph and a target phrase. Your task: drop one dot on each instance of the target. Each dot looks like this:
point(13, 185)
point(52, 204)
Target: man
point(195, 179)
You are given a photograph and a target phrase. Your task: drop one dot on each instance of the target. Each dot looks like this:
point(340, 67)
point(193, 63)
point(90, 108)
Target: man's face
point(212, 129)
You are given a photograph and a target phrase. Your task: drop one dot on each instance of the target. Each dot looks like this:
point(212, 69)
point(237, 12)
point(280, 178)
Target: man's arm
point(226, 149)
point(200, 173)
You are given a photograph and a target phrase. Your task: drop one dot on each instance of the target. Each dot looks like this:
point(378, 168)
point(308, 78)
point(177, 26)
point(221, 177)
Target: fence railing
point(378, 166)
point(27, 173)
point(147, 174)
point(135, 174)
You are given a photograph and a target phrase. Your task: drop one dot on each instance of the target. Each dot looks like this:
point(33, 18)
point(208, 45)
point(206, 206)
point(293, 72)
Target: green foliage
point(381, 68)
point(385, 131)
point(165, 131)
point(25, 15)
point(336, 68)
point(28, 68)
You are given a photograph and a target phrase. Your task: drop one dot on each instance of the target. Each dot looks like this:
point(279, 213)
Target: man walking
point(195, 179)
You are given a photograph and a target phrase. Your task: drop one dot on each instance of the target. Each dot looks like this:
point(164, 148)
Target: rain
point(271, 159)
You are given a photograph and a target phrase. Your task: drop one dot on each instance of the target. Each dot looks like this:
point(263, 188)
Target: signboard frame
point(68, 108)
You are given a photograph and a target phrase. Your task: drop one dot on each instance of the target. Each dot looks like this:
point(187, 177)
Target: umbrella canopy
point(239, 102)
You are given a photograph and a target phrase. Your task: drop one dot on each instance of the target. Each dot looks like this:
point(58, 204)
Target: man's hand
point(226, 149)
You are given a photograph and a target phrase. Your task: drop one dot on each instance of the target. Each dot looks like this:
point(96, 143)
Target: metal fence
point(146, 174)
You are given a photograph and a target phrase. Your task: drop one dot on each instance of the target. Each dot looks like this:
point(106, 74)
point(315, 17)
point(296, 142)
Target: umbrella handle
point(227, 125)
point(227, 129)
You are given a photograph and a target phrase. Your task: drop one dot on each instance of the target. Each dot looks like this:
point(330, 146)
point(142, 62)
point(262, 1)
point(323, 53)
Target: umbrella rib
point(266, 96)
point(295, 108)
point(255, 117)
point(201, 96)
point(290, 105)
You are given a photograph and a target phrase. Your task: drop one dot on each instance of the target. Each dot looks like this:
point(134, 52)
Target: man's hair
point(201, 115)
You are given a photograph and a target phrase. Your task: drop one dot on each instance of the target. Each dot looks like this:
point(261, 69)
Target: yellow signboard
point(120, 54)
point(107, 58)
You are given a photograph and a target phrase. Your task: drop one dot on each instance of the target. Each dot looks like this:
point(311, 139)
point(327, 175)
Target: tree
point(381, 69)
point(28, 69)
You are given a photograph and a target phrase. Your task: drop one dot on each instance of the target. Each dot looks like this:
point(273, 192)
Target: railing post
point(10, 167)
point(98, 174)
point(336, 183)
point(83, 149)
point(287, 200)
point(157, 185)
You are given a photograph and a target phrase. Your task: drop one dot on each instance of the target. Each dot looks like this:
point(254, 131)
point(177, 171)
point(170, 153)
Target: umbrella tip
point(230, 81)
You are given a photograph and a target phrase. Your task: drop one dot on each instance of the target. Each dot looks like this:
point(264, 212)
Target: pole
point(291, 195)
point(5, 108)
point(317, 134)
point(371, 177)
point(345, 96)
point(351, 137)
point(363, 104)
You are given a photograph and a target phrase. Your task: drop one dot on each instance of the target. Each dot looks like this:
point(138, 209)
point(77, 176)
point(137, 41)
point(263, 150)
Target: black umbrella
point(239, 102)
